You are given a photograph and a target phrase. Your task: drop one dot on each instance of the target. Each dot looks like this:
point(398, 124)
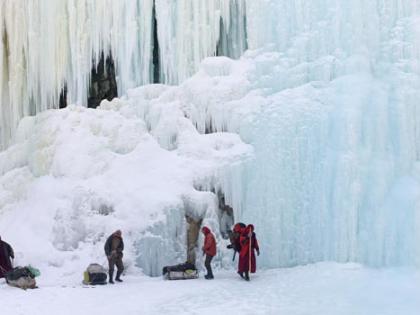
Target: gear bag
point(95, 274)
point(183, 271)
point(22, 277)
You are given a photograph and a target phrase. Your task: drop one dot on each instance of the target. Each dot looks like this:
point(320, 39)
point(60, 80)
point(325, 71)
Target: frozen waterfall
point(336, 172)
point(326, 91)
point(51, 44)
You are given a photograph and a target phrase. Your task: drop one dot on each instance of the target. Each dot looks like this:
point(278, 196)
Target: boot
point(241, 274)
point(117, 278)
point(111, 276)
point(246, 275)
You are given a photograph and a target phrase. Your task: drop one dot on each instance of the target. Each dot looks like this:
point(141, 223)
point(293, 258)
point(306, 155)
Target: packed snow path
point(325, 288)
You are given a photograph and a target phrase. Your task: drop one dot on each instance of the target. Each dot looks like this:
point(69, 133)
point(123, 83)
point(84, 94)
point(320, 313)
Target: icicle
point(47, 44)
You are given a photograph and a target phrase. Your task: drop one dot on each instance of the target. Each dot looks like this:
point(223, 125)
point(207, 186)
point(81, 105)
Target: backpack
point(180, 272)
point(22, 277)
point(20, 272)
point(95, 274)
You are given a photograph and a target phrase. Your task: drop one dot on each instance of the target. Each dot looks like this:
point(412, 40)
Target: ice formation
point(47, 45)
point(337, 142)
point(327, 95)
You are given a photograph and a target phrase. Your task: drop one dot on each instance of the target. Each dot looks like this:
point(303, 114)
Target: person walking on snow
point(6, 252)
point(114, 247)
point(209, 249)
point(249, 245)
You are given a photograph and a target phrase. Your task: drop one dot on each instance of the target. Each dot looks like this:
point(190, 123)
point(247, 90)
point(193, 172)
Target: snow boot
point(209, 277)
point(241, 274)
point(117, 278)
point(111, 276)
point(246, 276)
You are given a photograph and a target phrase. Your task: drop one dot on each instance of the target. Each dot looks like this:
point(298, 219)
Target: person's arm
point(120, 247)
point(207, 243)
point(257, 247)
point(11, 253)
point(107, 247)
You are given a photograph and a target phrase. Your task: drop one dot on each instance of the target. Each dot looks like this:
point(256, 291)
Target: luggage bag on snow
point(22, 277)
point(95, 274)
point(183, 271)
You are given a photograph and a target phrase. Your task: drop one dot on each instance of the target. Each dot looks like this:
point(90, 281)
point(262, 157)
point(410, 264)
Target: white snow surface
point(320, 289)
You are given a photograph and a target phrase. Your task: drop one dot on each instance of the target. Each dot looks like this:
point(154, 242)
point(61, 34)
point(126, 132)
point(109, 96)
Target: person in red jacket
point(209, 249)
point(249, 245)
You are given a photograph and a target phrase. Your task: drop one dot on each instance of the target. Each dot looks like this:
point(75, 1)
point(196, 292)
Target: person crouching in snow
point(209, 249)
point(249, 244)
point(114, 247)
point(6, 252)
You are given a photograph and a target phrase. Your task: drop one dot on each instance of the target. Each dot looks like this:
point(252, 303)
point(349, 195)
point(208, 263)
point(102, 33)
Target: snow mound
point(75, 175)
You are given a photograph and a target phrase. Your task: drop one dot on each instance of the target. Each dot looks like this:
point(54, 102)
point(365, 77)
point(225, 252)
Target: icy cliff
point(327, 95)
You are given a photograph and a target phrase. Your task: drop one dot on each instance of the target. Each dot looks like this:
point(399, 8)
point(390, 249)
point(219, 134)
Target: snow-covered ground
point(320, 289)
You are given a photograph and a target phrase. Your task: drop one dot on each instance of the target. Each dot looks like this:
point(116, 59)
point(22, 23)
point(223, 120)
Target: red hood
point(205, 230)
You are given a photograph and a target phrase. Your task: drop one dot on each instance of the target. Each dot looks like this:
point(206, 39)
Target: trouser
point(115, 261)
point(207, 263)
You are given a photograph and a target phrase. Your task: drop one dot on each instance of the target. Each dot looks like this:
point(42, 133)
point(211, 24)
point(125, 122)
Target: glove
point(230, 246)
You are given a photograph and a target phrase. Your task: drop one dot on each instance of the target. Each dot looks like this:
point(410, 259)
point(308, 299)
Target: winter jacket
point(209, 247)
point(244, 258)
point(110, 243)
point(6, 252)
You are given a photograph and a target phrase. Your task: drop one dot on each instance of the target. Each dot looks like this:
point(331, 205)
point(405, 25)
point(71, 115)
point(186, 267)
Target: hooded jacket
point(209, 247)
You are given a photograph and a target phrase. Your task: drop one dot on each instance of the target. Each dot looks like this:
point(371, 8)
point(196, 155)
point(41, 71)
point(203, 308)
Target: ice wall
point(47, 44)
point(335, 175)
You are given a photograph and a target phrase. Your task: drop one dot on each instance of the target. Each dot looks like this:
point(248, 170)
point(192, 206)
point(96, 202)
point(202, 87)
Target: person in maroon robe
point(6, 252)
point(249, 245)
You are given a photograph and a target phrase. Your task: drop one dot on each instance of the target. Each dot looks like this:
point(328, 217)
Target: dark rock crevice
point(103, 84)
point(226, 216)
point(62, 101)
point(156, 50)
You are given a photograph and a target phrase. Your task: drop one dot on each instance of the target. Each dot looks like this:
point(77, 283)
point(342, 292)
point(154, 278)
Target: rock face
point(103, 84)
point(193, 231)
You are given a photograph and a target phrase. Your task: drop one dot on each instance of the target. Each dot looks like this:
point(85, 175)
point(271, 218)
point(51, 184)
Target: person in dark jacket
point(6, 253)
point(249, 245)
point(114, 247)
point(209, 249)
point(234, 238)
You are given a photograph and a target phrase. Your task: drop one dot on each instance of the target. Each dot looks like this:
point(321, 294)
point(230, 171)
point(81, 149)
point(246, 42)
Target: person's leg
point(240, 267)
point(111, 263)
point(120, 269)
point(207, 263)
